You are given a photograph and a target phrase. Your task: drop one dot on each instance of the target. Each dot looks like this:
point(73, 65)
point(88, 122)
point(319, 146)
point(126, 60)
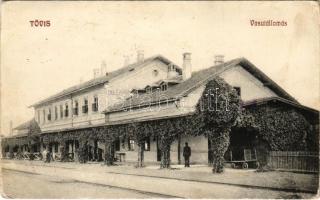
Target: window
point(164, 87)
point(56, 146)
point(55, 112)
point(38, 116)
point(44, 116)
point(76, 108)
point(155, 72)
point(95, 104)
point(49, 114)
point(171, 67)
point(66, 111)
point(61, 111)
point(147, 144)
point(131, 144)
point(238, 89)
point(85, 106)
point(148, 89)
point(117, 144)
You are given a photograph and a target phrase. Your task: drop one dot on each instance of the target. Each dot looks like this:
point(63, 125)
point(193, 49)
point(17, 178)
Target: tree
point(109, 152)
point(168, 130)
point(139, 131)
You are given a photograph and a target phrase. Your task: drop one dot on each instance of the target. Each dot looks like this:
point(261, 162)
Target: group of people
point(47, 155)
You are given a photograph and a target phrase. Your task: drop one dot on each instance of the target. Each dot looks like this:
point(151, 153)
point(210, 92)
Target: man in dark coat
point(186, 155)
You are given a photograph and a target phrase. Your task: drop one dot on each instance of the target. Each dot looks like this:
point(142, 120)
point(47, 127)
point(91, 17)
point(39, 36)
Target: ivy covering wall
point(282, 126)
point(217, 111)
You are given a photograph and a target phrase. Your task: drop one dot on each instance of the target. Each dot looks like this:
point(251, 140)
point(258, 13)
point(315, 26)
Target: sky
point(37, 62)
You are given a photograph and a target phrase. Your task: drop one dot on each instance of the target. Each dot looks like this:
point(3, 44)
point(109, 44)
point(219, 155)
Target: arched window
point(55, 112)
point(95, 104)
point(76, 107)
point(66, 111)
point(85, 106)
point(49, 114)
point(61, 111)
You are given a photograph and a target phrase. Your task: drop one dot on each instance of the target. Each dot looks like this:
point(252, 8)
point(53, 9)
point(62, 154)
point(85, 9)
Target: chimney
point(103, 68)
point(126, 61)
point(11, 128)
point(186, 73)
point(140, 56)
point(96, 72)
point(218, 59)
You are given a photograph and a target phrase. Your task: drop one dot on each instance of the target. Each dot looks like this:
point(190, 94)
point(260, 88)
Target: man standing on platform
point(186, 155)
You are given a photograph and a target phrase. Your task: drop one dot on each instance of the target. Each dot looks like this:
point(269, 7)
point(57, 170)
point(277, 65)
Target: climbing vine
point(283, 127)
point(217, 111)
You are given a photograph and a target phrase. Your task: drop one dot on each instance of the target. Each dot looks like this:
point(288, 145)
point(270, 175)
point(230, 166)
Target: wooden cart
point(249, 158)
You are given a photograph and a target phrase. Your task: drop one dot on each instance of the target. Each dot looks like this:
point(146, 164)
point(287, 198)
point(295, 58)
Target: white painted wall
point(112, 92)
point(185, 106)
point(120, 88)
point(251, 87)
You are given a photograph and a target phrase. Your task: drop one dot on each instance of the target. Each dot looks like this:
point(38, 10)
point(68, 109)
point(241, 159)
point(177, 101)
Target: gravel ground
point(273, 179)
point(24, 185)
point(148, 175)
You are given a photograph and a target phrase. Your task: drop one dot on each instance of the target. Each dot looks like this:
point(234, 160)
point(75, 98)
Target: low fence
point(301, 161)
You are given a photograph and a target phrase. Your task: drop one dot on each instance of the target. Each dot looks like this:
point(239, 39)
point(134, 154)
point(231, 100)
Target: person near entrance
point(186, 155)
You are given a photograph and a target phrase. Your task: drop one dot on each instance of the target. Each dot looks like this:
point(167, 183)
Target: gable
point(105, 79)
point(139, 78)
point(250, 78)
point(251, 87)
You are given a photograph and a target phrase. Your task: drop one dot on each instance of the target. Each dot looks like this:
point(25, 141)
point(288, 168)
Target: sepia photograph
point(159, 99)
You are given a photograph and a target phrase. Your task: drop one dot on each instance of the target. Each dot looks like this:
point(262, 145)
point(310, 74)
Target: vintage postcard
point(160, 99)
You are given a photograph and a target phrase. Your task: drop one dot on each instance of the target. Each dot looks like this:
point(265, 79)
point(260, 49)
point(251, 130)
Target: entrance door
point(158, 151)
point(210, 161)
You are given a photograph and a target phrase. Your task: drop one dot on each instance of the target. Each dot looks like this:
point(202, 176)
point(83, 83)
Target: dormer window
point(164, 87)
point(238, 90)
point(148, 89)
point(171, 68)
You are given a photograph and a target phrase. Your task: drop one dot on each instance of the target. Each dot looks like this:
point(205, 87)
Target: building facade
point(150, 89)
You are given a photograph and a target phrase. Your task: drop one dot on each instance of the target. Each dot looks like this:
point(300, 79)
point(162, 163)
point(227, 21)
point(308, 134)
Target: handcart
point(249, 159)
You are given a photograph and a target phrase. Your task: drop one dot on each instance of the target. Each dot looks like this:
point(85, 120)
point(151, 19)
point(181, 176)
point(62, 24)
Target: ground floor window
point(56, 145)
point(131, 144)
point(147, 144)
point(117, 144)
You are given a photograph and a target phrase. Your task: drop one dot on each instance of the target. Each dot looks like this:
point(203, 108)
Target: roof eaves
point(143, 105)
point(265, 79)
point(225, 66)
point(280, 99)
point(103, 81)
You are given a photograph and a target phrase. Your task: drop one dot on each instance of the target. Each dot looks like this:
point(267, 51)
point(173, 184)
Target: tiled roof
point(25, 125)
point(282, 100)
point(104, 79)
point(28, 128)
point(197, 79)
